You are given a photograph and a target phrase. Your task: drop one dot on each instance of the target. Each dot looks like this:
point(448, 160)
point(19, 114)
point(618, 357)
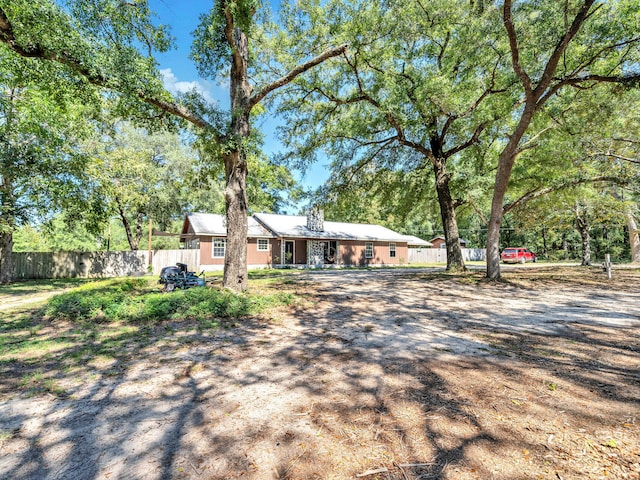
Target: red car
point(518, 255)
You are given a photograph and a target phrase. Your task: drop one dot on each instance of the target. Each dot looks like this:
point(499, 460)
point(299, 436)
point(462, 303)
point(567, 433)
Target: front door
point(289, 252)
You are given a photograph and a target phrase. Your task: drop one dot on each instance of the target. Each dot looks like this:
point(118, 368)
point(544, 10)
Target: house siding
point(206, 255)
point(256, 257)
point(352, 253)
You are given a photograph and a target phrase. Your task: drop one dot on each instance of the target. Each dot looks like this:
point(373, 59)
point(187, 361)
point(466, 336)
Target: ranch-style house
point(302, 241)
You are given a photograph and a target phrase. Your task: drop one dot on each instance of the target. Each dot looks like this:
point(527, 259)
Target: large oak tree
point(421, 83)
point(556, 45)
point(110, 44)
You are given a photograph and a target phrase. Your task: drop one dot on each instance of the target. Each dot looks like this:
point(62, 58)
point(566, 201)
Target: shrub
point(134, 300)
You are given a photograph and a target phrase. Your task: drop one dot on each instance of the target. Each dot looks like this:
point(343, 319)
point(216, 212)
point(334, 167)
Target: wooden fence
point(164, 258)
point(98, 264)
point(120, 264)
point(439, 255)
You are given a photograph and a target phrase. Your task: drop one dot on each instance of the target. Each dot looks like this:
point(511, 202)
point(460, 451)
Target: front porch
point(292, 253)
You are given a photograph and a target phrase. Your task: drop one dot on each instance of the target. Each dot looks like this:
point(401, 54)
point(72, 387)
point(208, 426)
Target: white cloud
point(174, 85)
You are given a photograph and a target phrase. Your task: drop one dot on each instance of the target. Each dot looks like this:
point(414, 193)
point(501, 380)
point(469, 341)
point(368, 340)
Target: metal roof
point(216, 225)
point(269, 225)
point(414, 241)
point(296, 226)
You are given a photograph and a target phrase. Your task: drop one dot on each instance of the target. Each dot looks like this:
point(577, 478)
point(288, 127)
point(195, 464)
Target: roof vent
point(315, 220)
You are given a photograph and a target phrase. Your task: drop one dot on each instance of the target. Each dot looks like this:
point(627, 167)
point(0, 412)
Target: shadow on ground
point(409, 375)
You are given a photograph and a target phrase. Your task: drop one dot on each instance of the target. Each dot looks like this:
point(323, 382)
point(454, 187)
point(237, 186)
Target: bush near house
point(138, 300)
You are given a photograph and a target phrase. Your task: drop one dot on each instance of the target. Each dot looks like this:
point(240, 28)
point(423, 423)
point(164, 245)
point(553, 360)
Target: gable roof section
point(269, 225)
point(196, 224)
point(295, 226)
point(414, 241)
point(441, 237)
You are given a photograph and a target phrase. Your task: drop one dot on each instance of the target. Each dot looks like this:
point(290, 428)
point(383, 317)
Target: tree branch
point(531, 142)
point(515, 49)
point(474, 138)
point(552, 64)
point(289, 77)
point(7, 36)
point(545, 191)
point(613, 155)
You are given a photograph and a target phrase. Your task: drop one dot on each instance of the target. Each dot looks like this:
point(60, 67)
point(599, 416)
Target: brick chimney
point(315, 220)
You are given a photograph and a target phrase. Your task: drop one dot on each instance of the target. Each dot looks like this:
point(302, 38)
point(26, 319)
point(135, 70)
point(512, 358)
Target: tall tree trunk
point(455, 261)
point(535, 97)
point(235, 259)
point(235, 163)
point(505, 165)
point(634, 237)
point(7, 226)
point(133, 240)
point(582, 222)
point(6, 257)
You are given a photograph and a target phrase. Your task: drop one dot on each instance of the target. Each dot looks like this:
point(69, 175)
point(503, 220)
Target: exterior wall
point(440, 243)
point(352, 253)
point(206, 246)
point(437, 242)
point(255, 257)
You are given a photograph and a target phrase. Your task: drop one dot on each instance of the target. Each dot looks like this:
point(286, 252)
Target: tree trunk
point(583, 228)
point(235, 259)
point(235, 164)
point(455, 261)
point(133, 240)
point(634, 237)
point(6, 257)
point(505, 165)
point(7, 226)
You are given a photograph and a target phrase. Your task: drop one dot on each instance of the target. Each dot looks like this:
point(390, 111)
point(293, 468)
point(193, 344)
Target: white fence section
point(439, 255)
point(165, 258)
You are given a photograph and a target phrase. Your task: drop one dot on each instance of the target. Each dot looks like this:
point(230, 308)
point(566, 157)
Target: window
point(392, 250)
point(219, 246)
point(368, 250)
point(263, 245)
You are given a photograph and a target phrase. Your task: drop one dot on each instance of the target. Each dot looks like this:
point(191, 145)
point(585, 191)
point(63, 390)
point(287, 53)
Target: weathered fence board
point(78, 264)
point(164, 258)
point(120, 264)
point(439, 255)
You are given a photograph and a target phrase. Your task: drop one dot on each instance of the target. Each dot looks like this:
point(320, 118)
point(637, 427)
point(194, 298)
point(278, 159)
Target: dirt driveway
point(390, 374)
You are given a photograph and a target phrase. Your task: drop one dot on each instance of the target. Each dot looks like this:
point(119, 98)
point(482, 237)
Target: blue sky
point(180, 73)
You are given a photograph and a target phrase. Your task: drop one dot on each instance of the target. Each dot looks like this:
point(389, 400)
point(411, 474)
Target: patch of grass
point(101, 324)
point(134, 300)
point(35, 382)
point(30, 287)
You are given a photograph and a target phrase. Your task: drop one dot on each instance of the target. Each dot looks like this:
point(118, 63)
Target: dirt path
point(406, 374)
point(11, 302)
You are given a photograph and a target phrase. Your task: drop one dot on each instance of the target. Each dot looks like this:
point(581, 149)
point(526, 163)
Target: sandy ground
point(389, 374)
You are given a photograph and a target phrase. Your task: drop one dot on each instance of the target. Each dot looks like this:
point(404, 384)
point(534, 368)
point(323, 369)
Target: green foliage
point(418, 82)
point(210, 50)
point(133, 300)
